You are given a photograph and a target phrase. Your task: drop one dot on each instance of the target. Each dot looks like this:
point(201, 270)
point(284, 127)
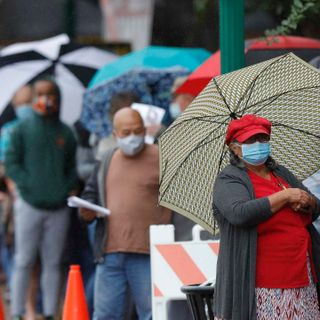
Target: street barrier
point(175, 264)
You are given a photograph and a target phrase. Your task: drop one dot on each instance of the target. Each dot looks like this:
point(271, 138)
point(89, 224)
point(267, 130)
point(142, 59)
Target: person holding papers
point(126, 182)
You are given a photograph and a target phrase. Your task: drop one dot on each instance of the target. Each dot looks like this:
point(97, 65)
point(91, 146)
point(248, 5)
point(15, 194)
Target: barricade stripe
point(204, 257)
point(163, 276)
point(181, 263)
point(156, 291)
point(215, 247)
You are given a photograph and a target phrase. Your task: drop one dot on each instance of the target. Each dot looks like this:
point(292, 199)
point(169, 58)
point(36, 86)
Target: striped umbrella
point(71, 64)
point(285, 90)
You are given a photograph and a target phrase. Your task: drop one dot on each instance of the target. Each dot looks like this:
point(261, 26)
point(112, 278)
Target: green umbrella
point(285, 90)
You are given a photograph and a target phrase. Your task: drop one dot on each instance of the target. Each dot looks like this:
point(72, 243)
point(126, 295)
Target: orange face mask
point(44, 106)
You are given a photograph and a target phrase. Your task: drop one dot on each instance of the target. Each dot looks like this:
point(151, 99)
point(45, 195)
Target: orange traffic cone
point(75, 305)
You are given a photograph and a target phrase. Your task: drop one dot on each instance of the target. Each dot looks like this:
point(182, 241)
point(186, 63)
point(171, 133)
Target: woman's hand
point(300, 200)
point(297, 199)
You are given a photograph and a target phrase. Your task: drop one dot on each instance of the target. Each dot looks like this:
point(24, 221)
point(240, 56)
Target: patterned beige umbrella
point(285, 90)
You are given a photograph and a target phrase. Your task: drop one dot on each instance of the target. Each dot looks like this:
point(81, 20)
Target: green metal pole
point(70, 18)
point(231, 35)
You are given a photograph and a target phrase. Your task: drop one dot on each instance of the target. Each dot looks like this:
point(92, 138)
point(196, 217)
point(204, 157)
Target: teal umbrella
point(152, 57)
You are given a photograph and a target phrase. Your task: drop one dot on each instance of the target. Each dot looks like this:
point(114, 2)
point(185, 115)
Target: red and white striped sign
point(176, 264)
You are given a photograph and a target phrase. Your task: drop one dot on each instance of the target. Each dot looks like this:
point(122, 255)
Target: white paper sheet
point(77, 202)
point(151, 115)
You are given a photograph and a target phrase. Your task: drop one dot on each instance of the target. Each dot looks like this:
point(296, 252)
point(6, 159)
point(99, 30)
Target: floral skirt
point(287, 304)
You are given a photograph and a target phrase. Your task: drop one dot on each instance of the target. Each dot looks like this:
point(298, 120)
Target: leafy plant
point(298, 13)
point(201, 7)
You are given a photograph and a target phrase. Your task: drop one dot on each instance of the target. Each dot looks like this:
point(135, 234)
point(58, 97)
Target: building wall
point(35, 19)
point(175, 22)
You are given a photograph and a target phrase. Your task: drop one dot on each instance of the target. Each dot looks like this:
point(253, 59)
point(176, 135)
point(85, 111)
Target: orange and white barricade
point(174, 264)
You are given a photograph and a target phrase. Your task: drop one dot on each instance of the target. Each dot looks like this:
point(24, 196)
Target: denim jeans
point(89, 283)
point(114, 276)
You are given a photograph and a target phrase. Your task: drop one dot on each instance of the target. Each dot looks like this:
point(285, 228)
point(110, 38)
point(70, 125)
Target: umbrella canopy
point(152, 57)
point(271, 47)
point(152, 86)
point(256, 51)
point(71, 64)
point(285, 90)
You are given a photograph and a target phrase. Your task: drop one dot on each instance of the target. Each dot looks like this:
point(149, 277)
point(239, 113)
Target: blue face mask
point(255, 153)
point(24, 111)
point(174, 110)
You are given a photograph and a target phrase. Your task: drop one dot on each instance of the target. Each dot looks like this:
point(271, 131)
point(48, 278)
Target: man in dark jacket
point(41, 162)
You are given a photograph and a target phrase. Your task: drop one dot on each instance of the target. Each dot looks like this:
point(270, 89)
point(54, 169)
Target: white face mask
point(131, 145)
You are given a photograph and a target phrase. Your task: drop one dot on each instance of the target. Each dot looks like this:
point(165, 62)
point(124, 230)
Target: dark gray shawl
point(238, 213)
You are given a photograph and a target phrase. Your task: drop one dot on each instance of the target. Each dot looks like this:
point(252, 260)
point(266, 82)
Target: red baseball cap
point(246, 127)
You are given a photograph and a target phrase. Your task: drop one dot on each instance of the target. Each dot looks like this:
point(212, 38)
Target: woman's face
point(236, 146)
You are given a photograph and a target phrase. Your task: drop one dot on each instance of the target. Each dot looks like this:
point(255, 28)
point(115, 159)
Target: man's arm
point(91, 194)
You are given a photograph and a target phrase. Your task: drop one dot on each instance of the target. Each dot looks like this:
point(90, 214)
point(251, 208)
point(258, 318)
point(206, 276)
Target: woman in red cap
point(268, 263)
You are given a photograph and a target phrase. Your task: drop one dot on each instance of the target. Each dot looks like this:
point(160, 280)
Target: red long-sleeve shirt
point(283, 242)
